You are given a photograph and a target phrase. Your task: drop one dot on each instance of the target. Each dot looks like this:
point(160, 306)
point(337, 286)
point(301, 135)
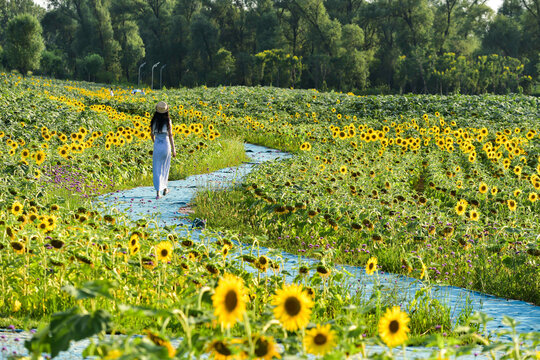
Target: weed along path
point(171, 211)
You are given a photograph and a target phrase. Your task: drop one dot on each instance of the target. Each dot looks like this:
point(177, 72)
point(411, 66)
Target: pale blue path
point(141, 203)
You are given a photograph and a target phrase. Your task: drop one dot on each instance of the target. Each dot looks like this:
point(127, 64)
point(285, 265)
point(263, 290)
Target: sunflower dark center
point(222, 349)
point(164, 252)
point(262, 260)
point(394, 326)
point(292, 306)
point(371, 266)
point(261, 348)
point(320, 339)
point(231, 300)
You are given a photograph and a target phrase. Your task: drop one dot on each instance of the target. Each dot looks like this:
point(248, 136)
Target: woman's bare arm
point(171, 140)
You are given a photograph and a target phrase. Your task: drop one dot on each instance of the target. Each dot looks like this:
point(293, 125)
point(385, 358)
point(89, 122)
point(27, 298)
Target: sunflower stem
point(185, 324)
point(247, 325)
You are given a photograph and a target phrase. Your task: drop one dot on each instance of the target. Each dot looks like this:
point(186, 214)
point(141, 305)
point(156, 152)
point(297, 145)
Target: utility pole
point(139, 82)
point(153, 67)
point(160, 71)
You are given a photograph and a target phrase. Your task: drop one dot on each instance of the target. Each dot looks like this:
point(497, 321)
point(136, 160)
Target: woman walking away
point(162, 137)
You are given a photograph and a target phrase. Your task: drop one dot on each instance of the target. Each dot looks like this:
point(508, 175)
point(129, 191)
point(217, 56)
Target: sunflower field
point(443, 189)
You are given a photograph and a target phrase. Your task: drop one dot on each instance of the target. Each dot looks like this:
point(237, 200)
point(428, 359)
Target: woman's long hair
point(158, 120)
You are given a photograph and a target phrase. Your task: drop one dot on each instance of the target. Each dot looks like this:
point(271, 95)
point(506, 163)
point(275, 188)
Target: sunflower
point(322, 270)
point(18, 247)
point(134, 249)
point(320, 340)
point(265, 348)
point(371, 266)
point(305, 146)
point(393, 327)
point(473, 215)
point(161, 342)
point(134, 240)
point(164, 251)
point(356, 226)
point(483, 188)
point(194, 255)
point(303, 270)
point(262, 263)
point(460, 208)
point(148, 262)
point(224, 251)
point(229, 300)
point(212, 269)
point(292, 306)
point(343, 169)
point(16, 208)
point(43, 225)
point(512, 204)
point(39, 157)
point(220, 350)
point(187, 243)
point(533, 197)
point(494, 191)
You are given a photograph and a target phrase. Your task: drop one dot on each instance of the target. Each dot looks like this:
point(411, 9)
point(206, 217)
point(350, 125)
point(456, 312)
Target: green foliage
point(133, 50)
point(91, 65)
point(109, 46)
point(450, 73)
point(74, 324)
point(341, 45)
point(53, 64)
point(24, 43)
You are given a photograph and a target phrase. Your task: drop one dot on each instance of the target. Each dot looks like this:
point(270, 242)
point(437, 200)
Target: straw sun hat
point(162, 107)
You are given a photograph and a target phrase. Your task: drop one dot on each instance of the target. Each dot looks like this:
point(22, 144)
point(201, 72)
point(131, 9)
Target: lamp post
point(153, 67)
point(160, 71)
point(140, 66)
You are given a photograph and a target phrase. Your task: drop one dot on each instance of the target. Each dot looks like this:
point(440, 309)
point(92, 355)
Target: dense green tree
point(533, 9)
point(470, 22)
point(24, 43)
point(346, 11)
point(53, 64)
point(289, 15)
point(110, 48)
point(351, 70)
point(59, 31)
point(91, 66)
point(268, 32)
point(392, 45)
point(503, 37)
point(11, 8)
point(223, 69)
point(204, 45)
point(133, 51)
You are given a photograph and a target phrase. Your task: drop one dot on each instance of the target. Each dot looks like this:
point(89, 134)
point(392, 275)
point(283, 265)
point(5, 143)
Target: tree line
point(430, 46)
